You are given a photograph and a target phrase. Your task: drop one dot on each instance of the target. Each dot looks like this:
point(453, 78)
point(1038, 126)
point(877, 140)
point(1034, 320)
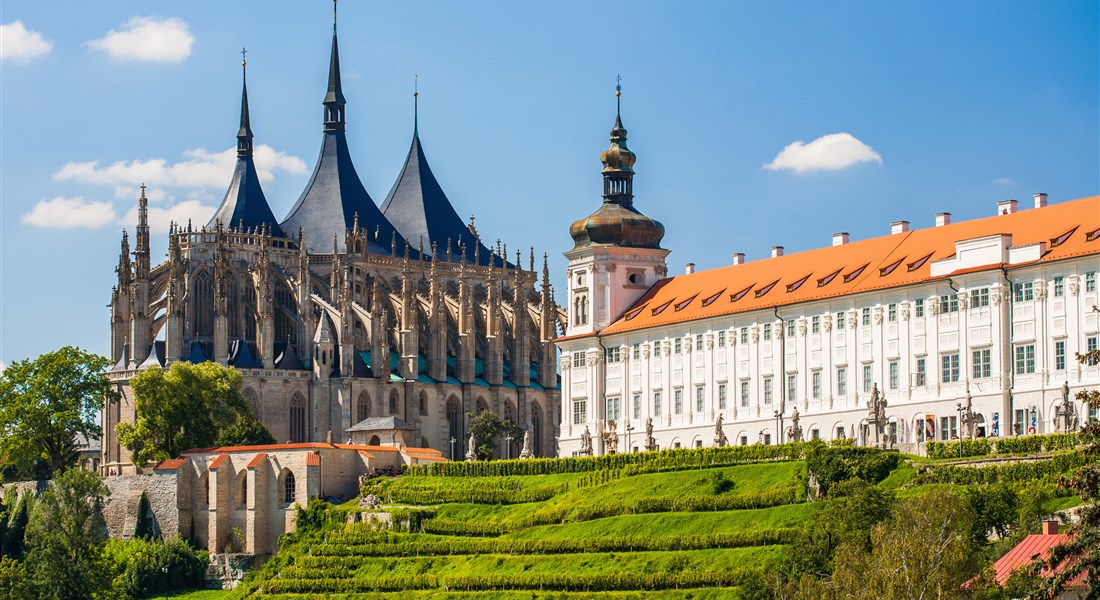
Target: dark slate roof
point(419, 209)
point(242, 357)
point(331, 200)
point(379, 424)
point(244, 202)
point(196, 355)
point(286, 357)
point(155, 357)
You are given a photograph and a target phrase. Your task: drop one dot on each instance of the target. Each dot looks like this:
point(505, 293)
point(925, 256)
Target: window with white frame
point(677, 346)
point(657, 403)
point(721, 396)
point(841, 381)
point(815, 377)
point(979, 297)
point(677, 401)
point(949, 368)
point(700, 399)
point(580, 410)
point(980, 365)
point(744, 335)
point(1025, 359)
point(949, 303)
point(744, 394)
point(1059, 286)
point(949, 428)
point(636, 351)
point(721, 339)
point(922, 373)
point(1060, 355)
point(815, 324)
point(614, 354)
point(792, 387)
point(918, 307)
point(1023, 292)
point(892, 313)
point(840, 321)
point(578, 359)
point(866, 316)
point(767, 332)
point(867, 383)
point(1090, 347)
point(790, 328)
point(613, 408)
point(893, 369)
point(767, 390)
point(1090, 281)
point(637, 407)
point(699, 342)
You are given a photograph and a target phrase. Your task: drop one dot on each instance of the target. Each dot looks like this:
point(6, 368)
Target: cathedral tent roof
point(380, 424)
point(241, 356)
point(155, 357)
point(196, 355)
point(287, 358)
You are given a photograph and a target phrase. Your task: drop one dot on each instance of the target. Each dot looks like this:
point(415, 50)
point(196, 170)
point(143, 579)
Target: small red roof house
point(1034, 547)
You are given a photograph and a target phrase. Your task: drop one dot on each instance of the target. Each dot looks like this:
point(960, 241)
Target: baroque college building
point(966, 328)
point(397, 320)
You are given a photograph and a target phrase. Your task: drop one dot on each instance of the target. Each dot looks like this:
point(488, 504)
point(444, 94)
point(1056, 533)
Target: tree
point(245, 431)
point(184, 407)
point(856, 507)
point(13, 580)
point(45, 403)
point(66, 536)
point(486, 427)
point(14, 538)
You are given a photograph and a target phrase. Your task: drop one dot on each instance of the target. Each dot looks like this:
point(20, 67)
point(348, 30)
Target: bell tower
point(617, 252)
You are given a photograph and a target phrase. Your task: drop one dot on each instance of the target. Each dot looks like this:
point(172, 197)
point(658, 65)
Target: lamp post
point(761, 438)
point(508, 446)
point(453, 448)
point(164, 570)
point(959, 409)
point(628, 429)
point(778, 427)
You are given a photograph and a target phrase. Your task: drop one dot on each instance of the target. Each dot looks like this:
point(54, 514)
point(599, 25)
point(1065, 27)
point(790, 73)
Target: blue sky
point(735, 111)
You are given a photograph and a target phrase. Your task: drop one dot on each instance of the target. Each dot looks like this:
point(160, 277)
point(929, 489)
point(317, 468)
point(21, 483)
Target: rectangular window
point(636, 352)
point(921, 373)
point(840, 321)
point(892, 313)
point(1090, 347)
point(918, 307)
point(614, 355)
point(1060, 355)
point(949, 303)
point(949, 368)
point(792, 387)
point(893, 374)
point(721, 396)
point(866, 316)
point(721, 339)
point(700, 400)
point(744, 394)
point(767, 332)
point(815, 325)
point(677, 401)
point(699, 343)
point(677, 346)
point(980, 365)
point(949, 428)
point(1059, 286)
point(637, 407)
point(767, 439)
point(790, 328)
point(1025, 359)
point(1090, 281)
point(768, 390)
point(841, 381)
point(816, 378)
point(979, 297)
point(578, 359)
point(613, 408)
point(1023, 292)
point(744, 335)
point(657, 403)
point(866, 378)
point(580, 408)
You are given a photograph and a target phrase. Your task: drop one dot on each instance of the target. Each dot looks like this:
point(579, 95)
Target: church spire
point(618, 160)
point(244, 135)
point(141, 251)
point(334, 99)
point(416, 107)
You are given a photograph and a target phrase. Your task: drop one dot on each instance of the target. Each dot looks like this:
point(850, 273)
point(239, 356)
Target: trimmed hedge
point(1014, 472)
point(601, 582)
point(323, 585)
point(463, 528)
point(1030, 444)
point(500, 491)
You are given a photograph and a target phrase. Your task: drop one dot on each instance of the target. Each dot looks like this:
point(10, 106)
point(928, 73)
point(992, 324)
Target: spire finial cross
point(416, 104)
point(244, 57)
point(334, 2)
point(618, 93)
point(143, 189)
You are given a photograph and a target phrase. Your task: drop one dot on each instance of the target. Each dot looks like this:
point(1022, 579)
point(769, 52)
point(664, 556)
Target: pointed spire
point(334, 100)
point(416, 106)
point(244, 134)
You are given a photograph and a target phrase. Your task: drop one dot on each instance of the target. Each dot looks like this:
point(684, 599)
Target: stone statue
point(969, 418)
point(1065, 414)
point(586, 442)
point(526, 451)
point(876, 415)
point(471, 449)
point(794, 432)
point(719, 433)
point(650, 443)
point(611, 437)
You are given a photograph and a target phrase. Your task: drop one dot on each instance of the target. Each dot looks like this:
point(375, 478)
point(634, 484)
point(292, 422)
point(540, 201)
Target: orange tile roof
point(170, 464)
point(1030, 549)
point(256, 461)
point(365, 454)
point(1068, 229)
point(217, 462)
point(313, 459)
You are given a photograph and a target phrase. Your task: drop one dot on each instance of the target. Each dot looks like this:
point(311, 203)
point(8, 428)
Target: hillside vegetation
point(697, 523)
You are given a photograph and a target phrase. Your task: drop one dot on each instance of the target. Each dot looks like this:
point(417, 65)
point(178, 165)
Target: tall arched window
point(286, 327)
point(393, 402)
point(423, 403)
point(203, 305)
point(297, 418)
point(362, 407)
point(536, 429)
point(242, 489)
point(454, 424)
point(289, 490)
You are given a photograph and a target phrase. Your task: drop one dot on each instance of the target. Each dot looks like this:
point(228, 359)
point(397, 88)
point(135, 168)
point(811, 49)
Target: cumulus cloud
point(827, 153)
point(147, 39)
point(19, 44)
point(67, 213)
point(200, 169)
point(180, 212)
point(1004, 181)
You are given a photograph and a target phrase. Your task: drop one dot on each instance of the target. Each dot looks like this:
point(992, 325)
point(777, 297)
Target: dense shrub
point(462, 528)
point(829, 465)
point(600, 582)
point(140, 566)
point(1013, 472)
point(503, 490)
point(1031, 444)
point(328, 585)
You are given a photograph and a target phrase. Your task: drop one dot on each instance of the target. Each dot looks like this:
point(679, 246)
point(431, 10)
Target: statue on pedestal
point(650, 443)
point(586, 442)
point(794, 432)
point(876, 415)
point(526, 451)
point(969, 418)
point(1065, 414)
point(719, 433)
point(471, 449)
point(611, 437)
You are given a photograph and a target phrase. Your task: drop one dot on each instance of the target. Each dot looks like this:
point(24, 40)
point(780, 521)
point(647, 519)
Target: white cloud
point(67, 213)
point(202, 169)
point(827, 153)
point(1004, 181)
point(160, 218)
point(147, 39)
point(20, 44)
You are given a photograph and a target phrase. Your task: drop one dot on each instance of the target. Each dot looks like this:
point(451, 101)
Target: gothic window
point(289, 488)
point(453, 424)
point(204, 305)
point(297, 419)
point(285, 310)
point(423, 403)
point(362, 407)
point(393, 402)
point(242, 489)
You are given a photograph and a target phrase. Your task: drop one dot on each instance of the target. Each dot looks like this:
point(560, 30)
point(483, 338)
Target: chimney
point(739, 258)
point(899, 227)
point(777, 251)
point(689, 269)
point(1007, 207)
point(839, 239)
point(943, 219)
point(328, 438)
point(1050, 527)
point(1040, 200)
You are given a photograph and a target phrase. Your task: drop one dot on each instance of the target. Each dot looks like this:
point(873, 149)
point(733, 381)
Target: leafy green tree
point(187, 406)
point(14, 541)
point(487, 428)
point(857, 506)
point(65, 538)
point(13, 580)
point(245, 431)
point(996, 509)
point(45, 403)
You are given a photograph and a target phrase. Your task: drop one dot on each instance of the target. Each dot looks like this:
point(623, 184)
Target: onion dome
point(617, 222)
